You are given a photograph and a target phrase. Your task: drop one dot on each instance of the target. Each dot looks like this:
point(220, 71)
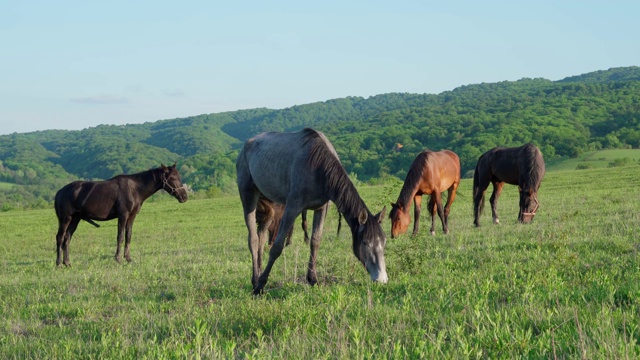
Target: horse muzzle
point(181, 196)
point(526, 216)
point(381, 278)
point(378, 273)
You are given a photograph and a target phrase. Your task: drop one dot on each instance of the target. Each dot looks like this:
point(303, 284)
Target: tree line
point(375, 137)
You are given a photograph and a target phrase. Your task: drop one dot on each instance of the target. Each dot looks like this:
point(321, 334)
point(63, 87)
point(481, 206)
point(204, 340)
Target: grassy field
point(598, 159)
point(6, 186)
point(565, 286)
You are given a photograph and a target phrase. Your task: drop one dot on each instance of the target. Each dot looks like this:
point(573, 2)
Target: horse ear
point(519, 188)
point(174, 164)
point(362, 217)
point(380, 215)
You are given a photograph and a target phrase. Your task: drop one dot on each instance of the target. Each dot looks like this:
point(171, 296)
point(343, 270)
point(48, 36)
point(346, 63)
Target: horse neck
point(407, 194)
point(534, 167)
point(412, 181)
point(348, 201)
point(148, 183)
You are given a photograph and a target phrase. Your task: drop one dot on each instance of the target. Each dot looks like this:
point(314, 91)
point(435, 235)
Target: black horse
point(522, 166)
point(119, 197)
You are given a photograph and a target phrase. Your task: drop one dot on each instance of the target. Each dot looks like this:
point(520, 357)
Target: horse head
point(399, 220)
point(370, 243)
point(528, 205)
point(172, 183)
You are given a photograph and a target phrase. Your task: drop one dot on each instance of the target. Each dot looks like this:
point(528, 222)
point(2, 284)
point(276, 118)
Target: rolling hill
point(376, 137)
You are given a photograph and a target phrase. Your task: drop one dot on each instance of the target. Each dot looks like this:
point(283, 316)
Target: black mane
point(413, 178)
point(529, 156)
point(338, 186)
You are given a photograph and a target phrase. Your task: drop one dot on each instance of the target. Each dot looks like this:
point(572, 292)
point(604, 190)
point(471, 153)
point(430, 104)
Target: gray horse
point(303, 171)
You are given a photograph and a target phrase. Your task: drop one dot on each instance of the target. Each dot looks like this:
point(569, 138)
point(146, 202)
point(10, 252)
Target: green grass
point(6, 185)
point(597, 159)
point(565, 286)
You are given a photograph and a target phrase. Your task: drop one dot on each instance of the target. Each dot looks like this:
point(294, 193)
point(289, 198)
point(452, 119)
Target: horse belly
point(274, 187)
point(271, 172)
point(97, 205)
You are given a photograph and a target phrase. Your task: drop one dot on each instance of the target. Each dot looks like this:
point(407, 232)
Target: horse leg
point(417, 205)
point(432, 207)
point(73, 225)
point(288, 218)
point(128, 233)
point(440, 208)
point(316, 235)
point(249, 200)
point(63, 224)
point(451, 195)
point(122, 221)
point(478, 200)
point(305, 226)
point(497, 189)
point(267, 232)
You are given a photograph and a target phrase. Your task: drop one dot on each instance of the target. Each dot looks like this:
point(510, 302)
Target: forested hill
point(375, 137)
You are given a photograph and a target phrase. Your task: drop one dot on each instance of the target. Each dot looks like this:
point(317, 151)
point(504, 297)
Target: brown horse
point(268, 218)
point(303, 171)
point(119, 197)
point(269, 215)
point(431, 173)
point(522, 166)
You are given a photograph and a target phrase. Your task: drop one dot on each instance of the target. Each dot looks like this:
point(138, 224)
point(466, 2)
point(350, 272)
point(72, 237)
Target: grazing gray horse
point(303, 171)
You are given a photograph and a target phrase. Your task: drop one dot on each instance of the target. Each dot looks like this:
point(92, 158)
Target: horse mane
point(155, 173)
point(530, 155)
point(414, 175)
point(325, 162)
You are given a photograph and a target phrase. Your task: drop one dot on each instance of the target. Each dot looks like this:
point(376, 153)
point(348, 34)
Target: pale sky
point(78, 64)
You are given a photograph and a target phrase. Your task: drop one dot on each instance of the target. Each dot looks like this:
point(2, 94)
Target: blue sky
point(77, 64)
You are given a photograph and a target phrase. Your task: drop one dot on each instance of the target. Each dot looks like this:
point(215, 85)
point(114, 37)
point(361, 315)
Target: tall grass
point(565, 286)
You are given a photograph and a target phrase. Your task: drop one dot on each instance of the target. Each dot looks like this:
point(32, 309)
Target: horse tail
point(91, 222)
point(476, 190)
point(57, 205)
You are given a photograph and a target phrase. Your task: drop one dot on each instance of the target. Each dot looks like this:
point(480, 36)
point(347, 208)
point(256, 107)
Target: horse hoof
point(433, 233)
point(312, 280)
point(257, 291)
point(67, 264)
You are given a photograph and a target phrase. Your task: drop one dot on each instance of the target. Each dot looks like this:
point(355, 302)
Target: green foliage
point(375, 137)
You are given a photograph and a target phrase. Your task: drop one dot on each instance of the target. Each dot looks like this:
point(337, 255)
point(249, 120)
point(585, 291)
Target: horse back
point(442, 170)
point(92, 199)
point(510, 165)
point(278, 164)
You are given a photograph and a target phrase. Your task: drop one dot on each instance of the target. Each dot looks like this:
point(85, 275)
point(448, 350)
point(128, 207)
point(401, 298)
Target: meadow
point(565, 286)
point(598, 159)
